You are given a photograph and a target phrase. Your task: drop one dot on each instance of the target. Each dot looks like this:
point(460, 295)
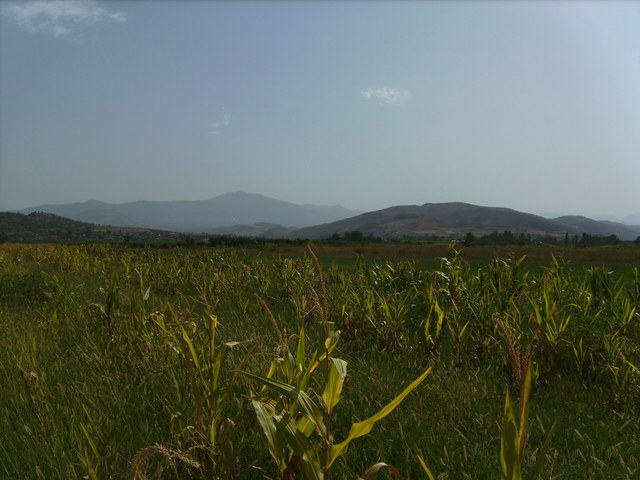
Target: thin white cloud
point(216, 126)
point(58, 17)
point(386, 95)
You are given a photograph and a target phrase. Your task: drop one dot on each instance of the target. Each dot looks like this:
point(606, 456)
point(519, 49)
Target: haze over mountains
point(633, 219)
point(237, 208)
point(246, 214)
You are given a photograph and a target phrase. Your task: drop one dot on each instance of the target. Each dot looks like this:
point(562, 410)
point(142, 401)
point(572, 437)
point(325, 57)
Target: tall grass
point(139, 363)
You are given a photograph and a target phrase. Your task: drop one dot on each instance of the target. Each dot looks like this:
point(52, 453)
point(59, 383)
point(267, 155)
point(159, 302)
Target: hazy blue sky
point(528, 105)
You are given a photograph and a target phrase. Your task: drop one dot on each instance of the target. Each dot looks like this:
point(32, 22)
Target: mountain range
point(237, 208)
point(246, 214)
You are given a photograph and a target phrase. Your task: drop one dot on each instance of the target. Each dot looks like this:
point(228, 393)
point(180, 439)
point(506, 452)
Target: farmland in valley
point(120, 362)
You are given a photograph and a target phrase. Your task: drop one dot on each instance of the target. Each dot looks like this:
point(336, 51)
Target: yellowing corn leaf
point(337, 373)
point(362, 428)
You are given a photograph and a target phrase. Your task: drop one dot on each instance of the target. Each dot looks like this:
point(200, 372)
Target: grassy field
point(200, 363)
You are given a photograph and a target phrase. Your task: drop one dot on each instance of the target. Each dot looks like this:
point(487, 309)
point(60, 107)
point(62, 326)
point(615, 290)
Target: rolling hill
point(454, 219)
point(579, 224)
point(46, 227)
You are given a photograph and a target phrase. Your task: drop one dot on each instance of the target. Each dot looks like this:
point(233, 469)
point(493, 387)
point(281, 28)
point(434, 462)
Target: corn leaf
point(362, 428)
point(300, 398)
point(300, 444)
point(337, 373)
point(265, 414)
point(509, 458)
point(194, 355)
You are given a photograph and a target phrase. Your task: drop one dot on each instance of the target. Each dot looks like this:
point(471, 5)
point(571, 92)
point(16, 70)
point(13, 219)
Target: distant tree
point(637, 240)
point(355, 236)
point(469, 240)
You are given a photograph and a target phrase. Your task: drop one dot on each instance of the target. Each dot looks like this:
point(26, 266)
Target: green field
point(206, 363)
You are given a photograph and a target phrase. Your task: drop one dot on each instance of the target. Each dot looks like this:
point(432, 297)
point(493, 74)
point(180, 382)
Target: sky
point(527, 105)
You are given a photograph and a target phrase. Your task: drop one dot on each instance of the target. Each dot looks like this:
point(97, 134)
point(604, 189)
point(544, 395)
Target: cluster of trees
point(587, 239)
point(507, 237)
point(356, 236)
point(248, 242)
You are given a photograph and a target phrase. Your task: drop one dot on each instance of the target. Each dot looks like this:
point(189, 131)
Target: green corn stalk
point(503, 281)
point(552, 323)
point(514, 434)
point(433, 324)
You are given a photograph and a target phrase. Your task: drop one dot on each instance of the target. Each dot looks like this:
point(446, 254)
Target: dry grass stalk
point(281, 338)
point(517, 359)
point(320, 300)
point(143, 457)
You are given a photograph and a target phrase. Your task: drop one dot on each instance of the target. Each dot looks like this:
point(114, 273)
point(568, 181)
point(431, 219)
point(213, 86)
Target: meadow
point(207, 363)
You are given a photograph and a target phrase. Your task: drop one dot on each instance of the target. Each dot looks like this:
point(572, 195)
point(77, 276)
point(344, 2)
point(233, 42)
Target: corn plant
point(504, 282)
point(207, 442)
point(514, 434)
point(625, 313)
point(453, 270)
point(433, 324)
point(550, 319)
point(109, 306)
point(297, 428)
